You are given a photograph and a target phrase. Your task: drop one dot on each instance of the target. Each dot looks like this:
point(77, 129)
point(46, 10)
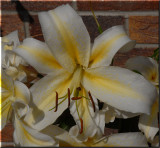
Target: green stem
point(99, 27)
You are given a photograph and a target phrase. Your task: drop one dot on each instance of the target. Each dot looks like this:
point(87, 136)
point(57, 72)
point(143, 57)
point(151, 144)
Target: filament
point(94, 108)
point(56, 102)
point(69, 97)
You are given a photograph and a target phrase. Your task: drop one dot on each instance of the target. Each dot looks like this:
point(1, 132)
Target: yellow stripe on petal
point(44, 98)
point(66, 37)
point(21, 92)
point(6, 94)
point(102, 50)
point(112, 85)
point(107, 44)
point(38, 55)
point(4, 112)
point(120, 88)
point(27, 136)
point(45, 58)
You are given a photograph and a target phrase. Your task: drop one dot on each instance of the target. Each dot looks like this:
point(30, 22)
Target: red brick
point(11, 23)
point(144, 29)
point(128, 5)
point(33, 5)
point(6, 134)
point(121, 58)
point(105, 22)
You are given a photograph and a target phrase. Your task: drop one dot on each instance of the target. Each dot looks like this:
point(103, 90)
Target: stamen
point(81, 131)
point(68, 97)
point(94, 108)
point(78, 89)
point(76, 98)
point(56, 102)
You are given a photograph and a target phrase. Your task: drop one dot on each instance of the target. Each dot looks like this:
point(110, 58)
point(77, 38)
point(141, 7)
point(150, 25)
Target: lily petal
point(61, 135)
point(21, 91)
point(122, 139)
point(149, 123)
point(107, 44)
point(12, 71)
point(10, 41)
point(44, 99)
point(7, 85)
point(111, 113)
point(4, 112)
point(22, 98)
point(147, 66)
point(135, 139)
point(14, 59)
point(120, 88)
point(7, 91)
point(26, 136)
point(37, 54)
point(84, 109)
point(67, 36)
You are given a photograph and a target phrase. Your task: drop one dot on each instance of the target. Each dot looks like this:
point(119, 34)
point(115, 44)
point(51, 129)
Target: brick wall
point(140, 19)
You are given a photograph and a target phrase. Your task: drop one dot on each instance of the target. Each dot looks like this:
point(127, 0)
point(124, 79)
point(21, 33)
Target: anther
point(78, 88)
point(68, 97)
point(94, 108)
point(56, 102)
point(81, 126)
point(76, 98)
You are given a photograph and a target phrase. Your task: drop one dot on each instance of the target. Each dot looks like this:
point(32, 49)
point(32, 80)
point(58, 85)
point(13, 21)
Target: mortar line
point(118, 13)
point(101, 13)
point(138, 45)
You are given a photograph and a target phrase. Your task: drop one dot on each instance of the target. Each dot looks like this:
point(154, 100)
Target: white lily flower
point(67, 139)
point(24, 135)
point(15, 95)
point(77, 72)
point(11, 62)
point(148, 67)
